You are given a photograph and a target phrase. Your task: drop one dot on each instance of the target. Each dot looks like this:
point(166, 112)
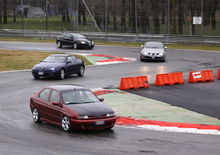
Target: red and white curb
point(110, 59)
point(169, 126)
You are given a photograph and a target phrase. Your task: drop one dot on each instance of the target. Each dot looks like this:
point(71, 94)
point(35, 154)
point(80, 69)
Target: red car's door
point(55, 110)
point(42, 103)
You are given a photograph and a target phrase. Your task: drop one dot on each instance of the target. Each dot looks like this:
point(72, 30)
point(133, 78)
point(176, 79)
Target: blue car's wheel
point(62, 74)
point(59, 44)
point(81, 71)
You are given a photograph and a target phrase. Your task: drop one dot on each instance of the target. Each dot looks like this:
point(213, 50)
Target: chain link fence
point(182, 17)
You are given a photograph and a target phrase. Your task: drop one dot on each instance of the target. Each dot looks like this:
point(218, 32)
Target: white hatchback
point(153, 51)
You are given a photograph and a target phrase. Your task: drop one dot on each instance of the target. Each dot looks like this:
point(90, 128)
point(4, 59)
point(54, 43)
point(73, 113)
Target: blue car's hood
point(49, 65)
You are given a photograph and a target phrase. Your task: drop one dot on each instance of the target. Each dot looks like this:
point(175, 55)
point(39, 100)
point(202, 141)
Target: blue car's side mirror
point(68, 62)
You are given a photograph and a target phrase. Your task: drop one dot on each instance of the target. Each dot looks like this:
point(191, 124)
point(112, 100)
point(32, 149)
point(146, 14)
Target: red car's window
point(45, 94)
point(54, 97)
point(78, 96)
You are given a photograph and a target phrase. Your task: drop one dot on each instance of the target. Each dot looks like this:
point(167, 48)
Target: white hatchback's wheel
point(75, 45)
point(59, 44)
point(81, 71)
point(62, 74)
point(36, 116)
point(65, 123)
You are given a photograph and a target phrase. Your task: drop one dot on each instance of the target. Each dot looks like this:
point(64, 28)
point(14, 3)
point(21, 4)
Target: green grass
point(87, 62)
point(19, 60)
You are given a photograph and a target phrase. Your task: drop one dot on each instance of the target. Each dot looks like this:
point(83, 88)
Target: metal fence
point(184, 17)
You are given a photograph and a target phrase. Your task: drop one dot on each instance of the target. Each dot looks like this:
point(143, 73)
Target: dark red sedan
point(71, 106)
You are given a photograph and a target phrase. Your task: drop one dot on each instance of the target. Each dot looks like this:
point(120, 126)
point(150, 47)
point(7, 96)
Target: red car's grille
point(94, 117)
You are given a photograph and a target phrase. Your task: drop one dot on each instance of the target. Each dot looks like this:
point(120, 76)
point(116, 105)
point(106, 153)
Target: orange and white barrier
point(169, 79)
point(134, 82)
point(218, 77)
point(201, 76)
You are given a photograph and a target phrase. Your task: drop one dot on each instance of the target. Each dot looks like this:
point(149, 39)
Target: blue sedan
point(58, 66)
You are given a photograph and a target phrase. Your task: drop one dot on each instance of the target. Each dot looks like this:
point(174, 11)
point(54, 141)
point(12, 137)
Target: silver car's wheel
point(36, 116)
point(81, 71)
point(59, 44)
point(62, 74)
point(75, 45)
point(65, 123)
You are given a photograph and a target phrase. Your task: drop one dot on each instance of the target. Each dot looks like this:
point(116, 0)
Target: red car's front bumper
point(104, 123)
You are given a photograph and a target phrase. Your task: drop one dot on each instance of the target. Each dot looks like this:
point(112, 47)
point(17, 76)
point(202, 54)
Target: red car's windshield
point(78, 96)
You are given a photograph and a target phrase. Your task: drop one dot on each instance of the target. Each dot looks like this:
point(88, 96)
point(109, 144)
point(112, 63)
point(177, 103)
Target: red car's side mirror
point(56, 104)
point(101, 99)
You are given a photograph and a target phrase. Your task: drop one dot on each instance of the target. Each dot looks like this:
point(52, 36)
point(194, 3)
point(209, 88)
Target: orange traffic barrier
point(201, 76)
point(218, 74)
point(134, 82)
point(142, 81)
point(169, 79)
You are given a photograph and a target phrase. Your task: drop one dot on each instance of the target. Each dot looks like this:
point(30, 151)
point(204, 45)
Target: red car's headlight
point(110, 115)
point(83, 117)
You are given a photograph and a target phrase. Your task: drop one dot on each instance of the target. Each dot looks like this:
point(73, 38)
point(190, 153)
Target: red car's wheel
point(65, 123)
point(36, 116)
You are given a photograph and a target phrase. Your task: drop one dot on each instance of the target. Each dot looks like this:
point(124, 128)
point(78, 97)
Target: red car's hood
point(97, 109)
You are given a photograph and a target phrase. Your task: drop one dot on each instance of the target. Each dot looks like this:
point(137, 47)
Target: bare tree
point(5, 21)
point(180, 16)
point(155, 15)
point(123, 16)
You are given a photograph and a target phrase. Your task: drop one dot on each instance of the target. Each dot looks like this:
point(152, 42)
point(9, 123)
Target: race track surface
point(19, 135)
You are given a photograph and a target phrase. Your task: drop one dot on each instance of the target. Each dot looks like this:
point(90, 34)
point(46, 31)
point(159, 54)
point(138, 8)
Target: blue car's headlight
point(52, 69)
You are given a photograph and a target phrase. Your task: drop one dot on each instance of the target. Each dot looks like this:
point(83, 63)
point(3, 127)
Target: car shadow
point(56, 130)
point(56, 79)
point(71, 48)
point(153, 61)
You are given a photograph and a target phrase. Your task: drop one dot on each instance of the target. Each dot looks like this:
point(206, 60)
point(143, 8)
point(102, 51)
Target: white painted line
point(179, 130)
point(14, 71)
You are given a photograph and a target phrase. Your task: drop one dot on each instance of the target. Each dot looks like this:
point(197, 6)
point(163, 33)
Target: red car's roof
point(66, 87)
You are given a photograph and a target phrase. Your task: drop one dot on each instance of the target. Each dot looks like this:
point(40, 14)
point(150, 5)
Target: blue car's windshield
point(55, 59)
point(78, 96)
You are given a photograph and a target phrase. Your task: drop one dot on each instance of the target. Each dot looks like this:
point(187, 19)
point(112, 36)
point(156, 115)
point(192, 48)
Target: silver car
point(153, 51)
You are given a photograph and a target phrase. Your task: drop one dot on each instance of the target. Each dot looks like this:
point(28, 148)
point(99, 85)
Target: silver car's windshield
point(55, 59)
point(78, 96)
point(153, 45)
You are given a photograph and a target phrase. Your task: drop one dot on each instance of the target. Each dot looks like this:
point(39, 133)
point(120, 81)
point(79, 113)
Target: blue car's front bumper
point(45, 73)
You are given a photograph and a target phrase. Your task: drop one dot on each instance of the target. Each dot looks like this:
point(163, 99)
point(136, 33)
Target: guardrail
point(119, 37)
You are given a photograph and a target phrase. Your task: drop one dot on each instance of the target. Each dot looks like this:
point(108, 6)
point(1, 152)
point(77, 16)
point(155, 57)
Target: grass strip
point(19, 60)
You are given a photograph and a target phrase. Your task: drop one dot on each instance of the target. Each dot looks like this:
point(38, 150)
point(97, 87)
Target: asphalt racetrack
point(19, 135)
